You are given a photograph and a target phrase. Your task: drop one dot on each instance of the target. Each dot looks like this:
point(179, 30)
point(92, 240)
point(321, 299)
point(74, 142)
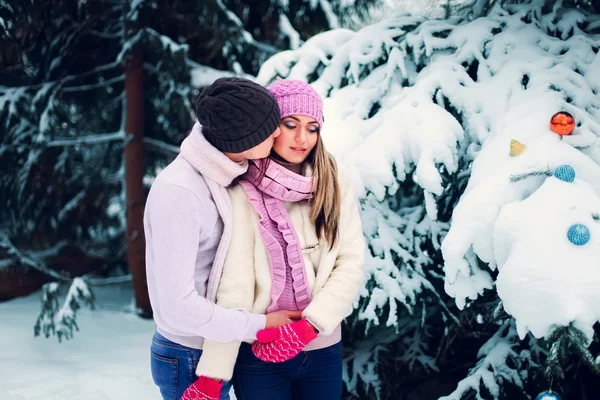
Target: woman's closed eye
point(289, 125)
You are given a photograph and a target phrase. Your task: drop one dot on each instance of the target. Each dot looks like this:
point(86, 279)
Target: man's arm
point(175, 223)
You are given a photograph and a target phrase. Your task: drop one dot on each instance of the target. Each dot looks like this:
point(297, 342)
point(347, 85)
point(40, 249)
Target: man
point(187, 224)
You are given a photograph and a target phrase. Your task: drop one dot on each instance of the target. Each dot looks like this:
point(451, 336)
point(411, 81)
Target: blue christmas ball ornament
point(565, 173)
point(549, 395)
point(578, 234)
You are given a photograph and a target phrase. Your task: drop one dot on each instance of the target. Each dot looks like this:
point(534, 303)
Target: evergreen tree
point(411, 107)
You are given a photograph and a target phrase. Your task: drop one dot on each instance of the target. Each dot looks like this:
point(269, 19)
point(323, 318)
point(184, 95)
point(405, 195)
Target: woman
point(187, 226)
point(297, 245)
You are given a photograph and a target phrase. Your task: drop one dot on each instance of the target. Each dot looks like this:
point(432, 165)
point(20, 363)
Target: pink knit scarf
point(268, 195)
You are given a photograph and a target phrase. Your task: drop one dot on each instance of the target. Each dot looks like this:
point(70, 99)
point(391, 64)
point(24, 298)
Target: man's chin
point(259, 158)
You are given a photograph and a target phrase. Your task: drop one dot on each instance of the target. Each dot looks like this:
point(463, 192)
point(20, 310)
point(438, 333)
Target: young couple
point(254, 250)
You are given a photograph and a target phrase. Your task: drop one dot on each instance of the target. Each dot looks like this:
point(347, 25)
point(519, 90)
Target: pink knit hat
point(297, 98)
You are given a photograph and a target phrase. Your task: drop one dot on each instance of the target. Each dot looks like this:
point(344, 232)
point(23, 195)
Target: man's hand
point(279, 318)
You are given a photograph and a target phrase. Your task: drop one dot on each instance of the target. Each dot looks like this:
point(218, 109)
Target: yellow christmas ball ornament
point(516, 148)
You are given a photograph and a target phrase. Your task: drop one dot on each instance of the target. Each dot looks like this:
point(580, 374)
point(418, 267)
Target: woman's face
point(299, 134)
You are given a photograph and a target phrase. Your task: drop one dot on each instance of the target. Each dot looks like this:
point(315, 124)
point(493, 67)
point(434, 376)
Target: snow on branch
point(528, 91)
point(61, 322)
point(89, 139)
point(161, 147)
point(288, 30)
point(202, 75)
point(396, 263)
point(110, 281)
point(101, 84)
point(71, 205)
point(10, 99)
point(500, 362)
point(238, 27)
point(361, 366)
point(29, 260)
point(61, 81)
point(417, 347)
point(332, 19)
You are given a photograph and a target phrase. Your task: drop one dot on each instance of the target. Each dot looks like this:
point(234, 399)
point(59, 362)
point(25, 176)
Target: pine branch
point(161, 147)
point(28, 260)
point(237, 28)
point(89, 139)
point(62, 322)
point(45, 320)
point(520, 177)
point(81, 88)
point(557, 354)
point(69, 78)
point(567, 340)
point(71, 204)
point(110, 281)
point(580, 343)
point(493, 367)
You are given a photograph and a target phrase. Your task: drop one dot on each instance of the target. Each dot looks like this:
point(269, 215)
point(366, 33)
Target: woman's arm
point(334, 301)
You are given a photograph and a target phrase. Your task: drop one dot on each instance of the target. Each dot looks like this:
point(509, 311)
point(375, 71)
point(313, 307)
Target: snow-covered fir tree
point(240, 35)
point(474, 290)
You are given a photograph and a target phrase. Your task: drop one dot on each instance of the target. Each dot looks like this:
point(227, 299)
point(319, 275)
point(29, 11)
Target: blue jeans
point(173, 368)
point(312, 375)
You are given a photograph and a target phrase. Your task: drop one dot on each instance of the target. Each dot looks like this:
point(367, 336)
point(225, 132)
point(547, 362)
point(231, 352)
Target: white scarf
point(218, 172)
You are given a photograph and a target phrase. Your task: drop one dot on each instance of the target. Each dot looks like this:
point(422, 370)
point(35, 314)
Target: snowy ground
point(108, 359)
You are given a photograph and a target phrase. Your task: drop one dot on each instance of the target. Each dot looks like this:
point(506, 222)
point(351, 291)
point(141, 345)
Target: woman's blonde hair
point(325, 205)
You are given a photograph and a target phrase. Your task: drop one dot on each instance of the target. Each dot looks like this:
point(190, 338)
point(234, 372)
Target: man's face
point(263, 149)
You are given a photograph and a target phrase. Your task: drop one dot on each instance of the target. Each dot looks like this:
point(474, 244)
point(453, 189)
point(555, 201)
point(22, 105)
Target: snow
point(491, 188)
point(493, 366)
point(201, 75)
point(71, 205)
point(10, 97)
point(515, 113)
point(288, 30)
point(171, 45)
point(539, 267)
point(332, 19)
point(5, 263)
point(108, 359)
point(6, 24)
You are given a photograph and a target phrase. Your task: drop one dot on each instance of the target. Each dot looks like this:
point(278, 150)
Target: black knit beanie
point(236, 114)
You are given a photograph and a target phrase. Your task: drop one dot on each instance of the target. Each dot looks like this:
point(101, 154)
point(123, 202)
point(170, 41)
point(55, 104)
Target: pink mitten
point(203, 389)
point(283, 343)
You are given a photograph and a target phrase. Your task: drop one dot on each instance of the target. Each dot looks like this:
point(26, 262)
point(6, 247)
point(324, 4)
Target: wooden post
point(134, 174)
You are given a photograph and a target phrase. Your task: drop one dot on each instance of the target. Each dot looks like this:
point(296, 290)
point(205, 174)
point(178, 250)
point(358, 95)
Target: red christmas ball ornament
point(562, 123)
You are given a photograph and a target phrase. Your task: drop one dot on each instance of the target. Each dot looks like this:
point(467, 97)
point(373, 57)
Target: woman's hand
point(284, 343)
point(279, 318)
